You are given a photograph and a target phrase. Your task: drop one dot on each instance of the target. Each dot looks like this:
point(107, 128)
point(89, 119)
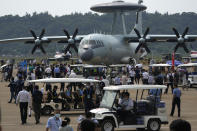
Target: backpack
point(159, 80)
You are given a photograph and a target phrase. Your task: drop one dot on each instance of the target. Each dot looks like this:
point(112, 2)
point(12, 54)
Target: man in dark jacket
point(37, 100)
point(12, 86)
point(87, 98)
point(19, 85)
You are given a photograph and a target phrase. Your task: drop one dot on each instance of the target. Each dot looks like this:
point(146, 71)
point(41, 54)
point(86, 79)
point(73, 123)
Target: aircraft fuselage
point(108, 49)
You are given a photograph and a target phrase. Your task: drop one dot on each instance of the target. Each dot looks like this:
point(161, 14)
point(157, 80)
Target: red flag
point(173, 61)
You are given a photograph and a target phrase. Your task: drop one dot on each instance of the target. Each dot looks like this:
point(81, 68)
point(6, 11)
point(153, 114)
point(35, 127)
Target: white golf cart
point(78, 69)
point(48, 107)
point(192, 70)
point(147, 113)
point(155, 68)
point(97, 72)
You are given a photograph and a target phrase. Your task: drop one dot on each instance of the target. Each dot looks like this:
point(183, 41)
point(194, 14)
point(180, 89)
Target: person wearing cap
point(176, 101)
point(54, 122)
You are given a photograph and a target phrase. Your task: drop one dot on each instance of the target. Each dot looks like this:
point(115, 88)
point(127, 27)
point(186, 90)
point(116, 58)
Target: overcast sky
point(61, 7)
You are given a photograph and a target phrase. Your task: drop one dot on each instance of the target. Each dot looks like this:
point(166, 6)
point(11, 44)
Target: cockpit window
point(93, 43)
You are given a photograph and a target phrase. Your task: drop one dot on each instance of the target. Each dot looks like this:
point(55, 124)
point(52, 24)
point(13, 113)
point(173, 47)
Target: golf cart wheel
point(154, 125)
point(47, 110)
point(107, 125)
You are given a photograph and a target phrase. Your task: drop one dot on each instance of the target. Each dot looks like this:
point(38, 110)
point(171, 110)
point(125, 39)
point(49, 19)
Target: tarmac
point(10, 119)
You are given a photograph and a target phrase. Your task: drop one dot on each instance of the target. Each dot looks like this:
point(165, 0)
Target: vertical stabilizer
point(138, 23)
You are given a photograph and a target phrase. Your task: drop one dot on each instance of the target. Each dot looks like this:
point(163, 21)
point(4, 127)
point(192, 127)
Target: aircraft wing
point(171, 38)
point(26, 40)
point(180, 39)
point(63, 80)
point(161, 38)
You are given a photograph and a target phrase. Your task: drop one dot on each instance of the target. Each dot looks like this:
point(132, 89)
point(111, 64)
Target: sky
point(62, 7)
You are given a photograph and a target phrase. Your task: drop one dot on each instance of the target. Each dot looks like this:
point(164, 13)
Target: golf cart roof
point(78, 65)
point(63, 80)
point(118, 65)
point(135, 87)
point(160, 65)
point(94, 66)
point(3, 66)
point(188, 65)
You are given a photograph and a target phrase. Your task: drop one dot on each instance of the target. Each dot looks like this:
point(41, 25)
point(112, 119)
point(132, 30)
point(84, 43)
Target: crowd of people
point(28, 95)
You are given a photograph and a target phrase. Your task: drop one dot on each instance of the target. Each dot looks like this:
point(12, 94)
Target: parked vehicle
point(148, 113)
point(64, 103)
point(192, 72)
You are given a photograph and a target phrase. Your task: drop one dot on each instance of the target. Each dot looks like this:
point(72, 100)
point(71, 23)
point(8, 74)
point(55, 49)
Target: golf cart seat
point(143, 107)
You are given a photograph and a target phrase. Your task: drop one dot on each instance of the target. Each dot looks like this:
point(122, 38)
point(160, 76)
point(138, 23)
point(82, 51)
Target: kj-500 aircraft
point(110, 49)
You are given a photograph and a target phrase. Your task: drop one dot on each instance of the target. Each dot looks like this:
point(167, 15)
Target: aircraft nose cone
point(87, 55)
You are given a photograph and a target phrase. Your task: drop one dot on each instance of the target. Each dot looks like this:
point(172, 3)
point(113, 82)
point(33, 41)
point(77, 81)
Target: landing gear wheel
point(107, 125)
point(154, 125)
point(132, 61)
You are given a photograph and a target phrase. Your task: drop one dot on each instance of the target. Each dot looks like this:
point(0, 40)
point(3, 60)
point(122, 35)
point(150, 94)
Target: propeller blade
point(33, 34)
point(75, 48)
point(138, 48)
point(33, 50)
point(42, 34)
point(185, 32)
point(67, 34)
point(176, 47)
point(176, 32)
point(146, 33)
point(42, 49)
point(75, 33)
point(147, 49)
point(67, 48)
point(137, 32)
point(185, 48)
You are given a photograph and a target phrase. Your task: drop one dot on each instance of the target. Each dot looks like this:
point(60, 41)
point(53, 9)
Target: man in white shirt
point(117, 80)
point(145, 76)
point(72, 74)
point(126, 104)
point(23, 99)
point(48, 71)
point(132, 75)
